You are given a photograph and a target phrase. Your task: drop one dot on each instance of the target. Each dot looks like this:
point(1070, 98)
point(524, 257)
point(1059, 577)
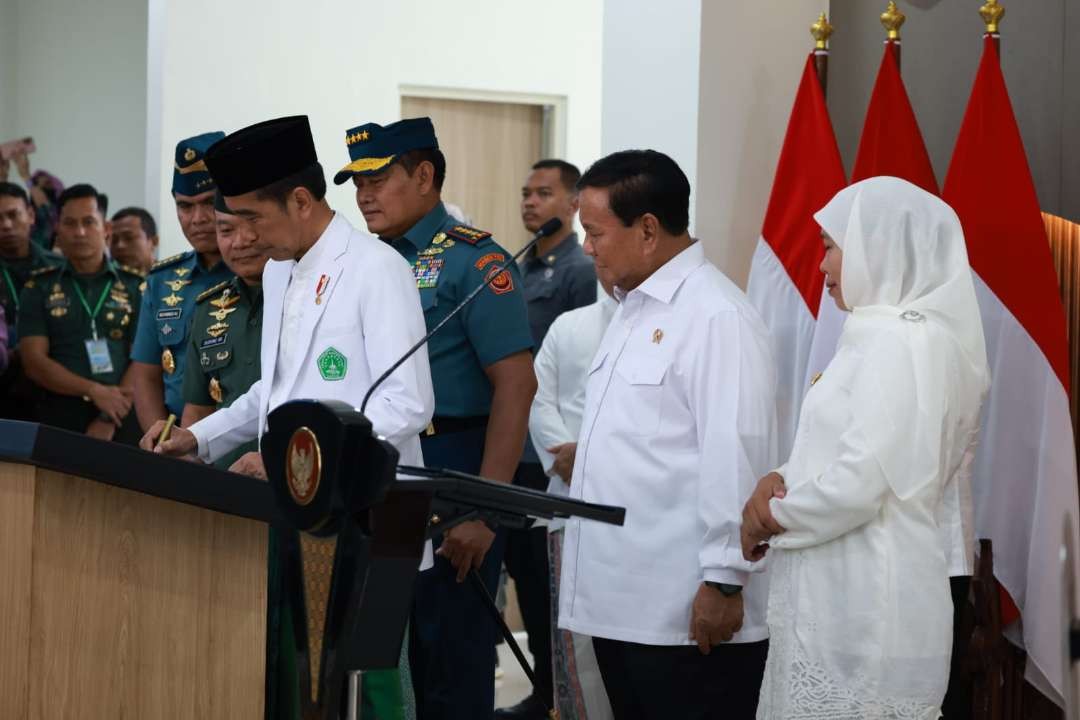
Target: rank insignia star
point(176, 285)
point(172, 300)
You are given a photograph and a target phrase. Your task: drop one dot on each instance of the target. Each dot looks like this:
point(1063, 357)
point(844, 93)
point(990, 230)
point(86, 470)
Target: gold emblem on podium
point(168, 362)
point(303, 466)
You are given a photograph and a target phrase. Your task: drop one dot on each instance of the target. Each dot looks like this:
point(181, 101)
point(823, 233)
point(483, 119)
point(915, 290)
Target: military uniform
point(18, 396)
point(174, 283)
point(168, 302)
point(452, 643)
point(71, 310)
point(223, 352)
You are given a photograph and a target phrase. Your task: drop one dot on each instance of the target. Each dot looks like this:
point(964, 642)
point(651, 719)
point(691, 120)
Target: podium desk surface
point(134, 469)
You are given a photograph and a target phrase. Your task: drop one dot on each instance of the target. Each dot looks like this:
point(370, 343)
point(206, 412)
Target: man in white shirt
point(339, 308)
point(562, 367)
point(679, 423)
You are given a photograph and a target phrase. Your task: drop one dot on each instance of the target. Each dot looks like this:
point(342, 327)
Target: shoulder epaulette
point(131, 271)
point(212, 291)
point(44, 270)
point(466, 234)
point(169, 261)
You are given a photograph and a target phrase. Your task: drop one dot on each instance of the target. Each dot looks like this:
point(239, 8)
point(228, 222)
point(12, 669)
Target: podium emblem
point(303, 466)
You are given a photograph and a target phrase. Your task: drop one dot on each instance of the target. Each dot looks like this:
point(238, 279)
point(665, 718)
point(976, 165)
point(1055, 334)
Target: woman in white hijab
point(860, 613)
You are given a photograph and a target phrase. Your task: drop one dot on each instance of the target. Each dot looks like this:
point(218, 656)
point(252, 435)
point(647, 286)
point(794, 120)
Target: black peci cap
point(261, 154)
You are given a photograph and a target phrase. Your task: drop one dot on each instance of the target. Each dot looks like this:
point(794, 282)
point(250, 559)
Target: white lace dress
point(860, 614)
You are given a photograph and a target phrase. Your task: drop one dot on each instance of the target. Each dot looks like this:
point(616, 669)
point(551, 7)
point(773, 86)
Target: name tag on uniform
point(98, 353)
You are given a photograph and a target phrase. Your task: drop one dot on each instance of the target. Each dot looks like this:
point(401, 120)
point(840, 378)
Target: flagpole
point(892, 20)
point(821, 31)
point(992, 13)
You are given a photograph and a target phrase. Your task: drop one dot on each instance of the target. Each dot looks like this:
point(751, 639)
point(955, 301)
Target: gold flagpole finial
point(821, 30)
point(892, 19)
point(991, 14)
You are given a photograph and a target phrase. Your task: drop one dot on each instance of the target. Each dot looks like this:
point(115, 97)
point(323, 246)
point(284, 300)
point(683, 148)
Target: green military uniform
point(223, 350)
point(18, 396)
point(73, 311)
point(16, 273)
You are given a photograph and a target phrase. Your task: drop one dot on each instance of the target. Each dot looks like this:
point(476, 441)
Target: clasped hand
point(758, 524)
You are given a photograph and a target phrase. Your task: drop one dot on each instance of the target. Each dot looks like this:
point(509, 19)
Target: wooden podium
point(131, 586)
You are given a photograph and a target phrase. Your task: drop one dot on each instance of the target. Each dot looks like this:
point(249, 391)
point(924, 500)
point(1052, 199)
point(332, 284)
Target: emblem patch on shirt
point(502, 282)
point(332, 364)
point(426, 271)
point(488, 259)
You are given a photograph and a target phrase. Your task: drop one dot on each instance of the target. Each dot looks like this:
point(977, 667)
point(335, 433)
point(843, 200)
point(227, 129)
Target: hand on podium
point(250, 464)
point(180, 442)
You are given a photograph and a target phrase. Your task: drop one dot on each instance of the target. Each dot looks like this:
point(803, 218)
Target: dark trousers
point(526, 562)
point(452, 635)
point(650, 682)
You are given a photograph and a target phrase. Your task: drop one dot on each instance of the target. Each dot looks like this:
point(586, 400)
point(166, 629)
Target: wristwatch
point(725, 589)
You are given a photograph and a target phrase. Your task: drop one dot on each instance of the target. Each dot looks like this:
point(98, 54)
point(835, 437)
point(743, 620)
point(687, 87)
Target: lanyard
point(97, 308)
point(11, 288)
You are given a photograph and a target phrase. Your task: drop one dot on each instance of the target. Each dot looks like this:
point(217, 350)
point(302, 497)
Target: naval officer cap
point(372, 147)
point(190, 176)
point(260, 155)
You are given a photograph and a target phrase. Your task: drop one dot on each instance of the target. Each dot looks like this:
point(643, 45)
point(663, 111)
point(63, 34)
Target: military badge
point(172, 300)
point(215, 389)
point(226, 300)
point(116, 334)
point(426, 270)
point(217, 329)
point(168, 362)
point(499, 282)
point(488, 259)
point(221, 314)
point(176, 285)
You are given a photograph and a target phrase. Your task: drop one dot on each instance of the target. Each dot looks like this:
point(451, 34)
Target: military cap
point(373, 147)
point(189, 174)
point(262, 154)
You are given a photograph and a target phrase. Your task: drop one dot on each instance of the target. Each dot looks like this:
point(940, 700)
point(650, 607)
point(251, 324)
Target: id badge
point(100, 360)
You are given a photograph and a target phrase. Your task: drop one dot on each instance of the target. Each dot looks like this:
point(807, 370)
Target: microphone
point(551, 227)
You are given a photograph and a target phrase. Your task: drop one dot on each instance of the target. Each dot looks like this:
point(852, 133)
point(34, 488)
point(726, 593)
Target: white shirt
point(369, 313)
point(679, 425)
point(562, 367)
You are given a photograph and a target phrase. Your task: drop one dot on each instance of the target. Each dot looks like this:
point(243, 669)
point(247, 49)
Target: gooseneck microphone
point(551, 227)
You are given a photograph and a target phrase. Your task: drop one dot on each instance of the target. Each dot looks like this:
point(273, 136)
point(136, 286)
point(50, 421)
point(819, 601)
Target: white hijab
point(907, 281)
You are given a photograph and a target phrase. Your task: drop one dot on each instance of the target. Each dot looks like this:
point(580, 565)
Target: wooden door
point(489, 148)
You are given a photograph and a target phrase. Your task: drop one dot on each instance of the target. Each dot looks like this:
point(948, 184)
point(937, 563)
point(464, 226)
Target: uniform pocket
point(643, 383)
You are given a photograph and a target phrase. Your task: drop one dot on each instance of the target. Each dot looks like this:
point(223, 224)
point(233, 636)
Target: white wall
point(80, 90)
point(752, 55)
point(650, 83)
point(342, 62)
point(8, 32)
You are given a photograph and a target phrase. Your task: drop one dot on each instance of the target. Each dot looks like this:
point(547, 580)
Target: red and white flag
point(1024, 479)
point(785, 282)
point(891, 144)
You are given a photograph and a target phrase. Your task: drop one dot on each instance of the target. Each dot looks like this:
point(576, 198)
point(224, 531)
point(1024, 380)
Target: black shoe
point(528, 709)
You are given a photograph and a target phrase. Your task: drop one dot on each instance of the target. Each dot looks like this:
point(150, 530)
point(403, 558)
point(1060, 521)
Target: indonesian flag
point(785, 282)
point(1024, 480)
